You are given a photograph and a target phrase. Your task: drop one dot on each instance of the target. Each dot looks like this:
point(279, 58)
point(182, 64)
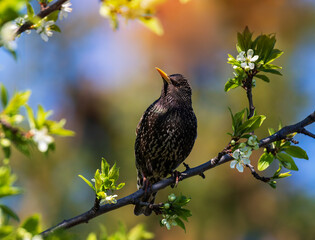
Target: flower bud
point(172, 197)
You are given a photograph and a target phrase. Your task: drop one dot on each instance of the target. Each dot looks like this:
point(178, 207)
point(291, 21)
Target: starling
point(166, 134)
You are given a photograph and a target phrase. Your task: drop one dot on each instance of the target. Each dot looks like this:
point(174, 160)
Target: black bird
point(166, 134)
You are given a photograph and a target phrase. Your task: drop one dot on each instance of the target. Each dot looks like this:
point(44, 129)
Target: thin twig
point(307, 133)
point(248, 85)
point(12, 129)
point(256, 175)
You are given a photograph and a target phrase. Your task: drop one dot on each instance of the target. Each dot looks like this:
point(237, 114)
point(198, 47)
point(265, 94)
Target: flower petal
point(250, 53)
point(254, 59)
point(44, 36)
point(239, 167)
point(42, 146)
point(251, 65)
point(246, 161)
point(233, 163)
point(236, 154)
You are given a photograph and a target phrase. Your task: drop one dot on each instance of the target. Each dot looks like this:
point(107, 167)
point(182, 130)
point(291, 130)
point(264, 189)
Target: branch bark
point(189, 172)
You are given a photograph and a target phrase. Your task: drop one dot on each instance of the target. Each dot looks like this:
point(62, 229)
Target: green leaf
point(262, 77)
point(244, 40)
point(32, 224)
point(276, 53)
point(114, 172)
point(5, 230)
point(120, 186)
point(138, 233)
point(296, 152)
point(62, 132)
point(98, 181)
point(91, 236)
point(272, 184)
point(18, 100)
point(87, 182)
point(284, 175)
point(30, 10)
point(264, 161)
point(271, 131)
point(287, 161)
point(271, 66)
point(30, 116)
point(55, 28)
point(180, 223)
point(231, 84)
point(251, 124)
point(42, 116)
point(105, 166)
point(153, 24)
point(273, 71)
point(57, 127)
point(53, 16)
point(8, 211)
point(233, 120)
point(4, 95)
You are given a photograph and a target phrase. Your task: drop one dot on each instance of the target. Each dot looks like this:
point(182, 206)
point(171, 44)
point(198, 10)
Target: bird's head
point(176, 87)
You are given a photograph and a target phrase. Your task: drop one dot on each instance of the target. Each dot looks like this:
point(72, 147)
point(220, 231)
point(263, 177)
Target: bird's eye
point(176, 84)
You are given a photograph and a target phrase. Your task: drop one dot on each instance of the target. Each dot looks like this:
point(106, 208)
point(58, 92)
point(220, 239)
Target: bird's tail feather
point(139, 209)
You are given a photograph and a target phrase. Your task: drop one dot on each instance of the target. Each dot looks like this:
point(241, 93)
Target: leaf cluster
point(284, 152)
point(104, 180)
point(241, 125)
point(174, 212)
point(41, 120)
point(264, 47)
point(11, 118)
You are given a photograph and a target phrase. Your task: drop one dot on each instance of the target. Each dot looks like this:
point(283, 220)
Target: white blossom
point(8, 34)
point(110, 199)
point(241, 157)
point(253, 142)
point(65, 9)
point(169, 221)
point(247, 61)
point(42, 138)
point(44, 29)
point(20, 21)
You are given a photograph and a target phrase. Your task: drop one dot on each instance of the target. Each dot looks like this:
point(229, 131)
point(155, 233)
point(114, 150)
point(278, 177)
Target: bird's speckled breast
point(165, 137)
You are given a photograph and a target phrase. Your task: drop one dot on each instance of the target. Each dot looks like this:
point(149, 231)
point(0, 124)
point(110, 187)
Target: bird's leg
point(177, 175)
point(146, 184)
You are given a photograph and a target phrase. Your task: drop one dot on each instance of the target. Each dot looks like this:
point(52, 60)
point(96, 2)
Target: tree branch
point(256, 175)
point(43, 13)
point(307, 133)
point(248, 85)
point(14, 130)
point(189, 172)
point(281, 134)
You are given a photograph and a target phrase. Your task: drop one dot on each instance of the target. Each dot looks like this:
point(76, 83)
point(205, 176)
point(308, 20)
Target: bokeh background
point(102, 81)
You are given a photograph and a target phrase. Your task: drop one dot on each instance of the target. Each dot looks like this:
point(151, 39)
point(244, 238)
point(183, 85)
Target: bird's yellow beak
point(164, 75)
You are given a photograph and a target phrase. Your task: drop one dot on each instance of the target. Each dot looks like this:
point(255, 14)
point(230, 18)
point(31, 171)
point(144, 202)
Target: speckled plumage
point(165, 135)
